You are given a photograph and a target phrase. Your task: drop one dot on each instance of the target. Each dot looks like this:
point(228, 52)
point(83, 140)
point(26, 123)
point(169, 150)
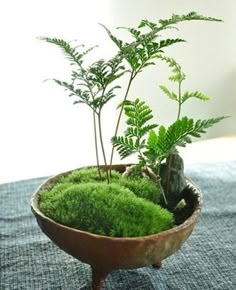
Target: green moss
point(142, 187)
point(88, 175)
point(104, 209)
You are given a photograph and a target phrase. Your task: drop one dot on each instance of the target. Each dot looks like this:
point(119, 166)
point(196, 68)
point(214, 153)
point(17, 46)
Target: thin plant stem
point(102, 146)
point(96, 144)
point(161, 189)
point(179, 101)
point(132, 76)
point(95, 131)
point(94, 121)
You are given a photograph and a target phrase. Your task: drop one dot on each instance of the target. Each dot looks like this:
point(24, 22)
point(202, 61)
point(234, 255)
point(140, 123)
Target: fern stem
point(102, 147)
point(94, 129)
point(132, 76)
point(96, 144)
point(179, 101)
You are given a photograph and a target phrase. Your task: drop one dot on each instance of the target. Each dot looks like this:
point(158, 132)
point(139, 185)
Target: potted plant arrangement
point(127, 215)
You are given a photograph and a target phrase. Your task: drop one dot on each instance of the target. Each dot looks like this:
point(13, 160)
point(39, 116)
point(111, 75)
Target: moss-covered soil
point(127, 207)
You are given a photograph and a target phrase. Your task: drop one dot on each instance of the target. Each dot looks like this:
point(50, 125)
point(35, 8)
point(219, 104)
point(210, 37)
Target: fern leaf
point(146, 23)
point(73, 55)
point(138, 113)
point(178, 74)
point(195, 94)
point(168, 42)
point(117, 41)
point(133, 31)
point(125, 146)
point(170, 94)
point(178, 134)
point(152, 140)
point(186, 17)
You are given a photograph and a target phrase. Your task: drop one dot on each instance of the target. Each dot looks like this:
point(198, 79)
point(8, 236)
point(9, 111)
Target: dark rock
point(172, 179)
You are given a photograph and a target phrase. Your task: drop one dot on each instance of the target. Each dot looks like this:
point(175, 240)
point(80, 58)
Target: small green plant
point(158, 175)
point(94, 85)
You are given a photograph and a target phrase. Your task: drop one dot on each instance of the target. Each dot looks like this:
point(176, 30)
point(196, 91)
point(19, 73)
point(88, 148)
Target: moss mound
point(88, 175)
point(104, 209)
point(141, 187)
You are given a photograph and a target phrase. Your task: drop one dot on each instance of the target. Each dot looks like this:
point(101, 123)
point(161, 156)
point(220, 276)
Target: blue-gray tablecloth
point(30, 261)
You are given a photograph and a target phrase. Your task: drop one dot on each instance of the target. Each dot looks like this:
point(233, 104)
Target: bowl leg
point(157, 265)
point(98, 276)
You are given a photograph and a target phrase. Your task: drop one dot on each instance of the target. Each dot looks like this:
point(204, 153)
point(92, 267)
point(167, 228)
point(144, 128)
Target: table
point(30, 261)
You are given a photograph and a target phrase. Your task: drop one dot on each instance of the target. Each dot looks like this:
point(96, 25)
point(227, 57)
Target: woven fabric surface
point(207, 260)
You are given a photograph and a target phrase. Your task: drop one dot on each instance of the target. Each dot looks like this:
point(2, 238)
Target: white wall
point(42, 133)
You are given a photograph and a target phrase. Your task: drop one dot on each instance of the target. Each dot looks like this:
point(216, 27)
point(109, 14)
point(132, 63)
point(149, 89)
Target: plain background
point(42, 133)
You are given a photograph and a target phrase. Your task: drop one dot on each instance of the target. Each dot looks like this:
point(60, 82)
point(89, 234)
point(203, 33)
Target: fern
point(126, 146)
point(178, 76)
point(143, 49)
point(186, 17)
point(138, 114)
point(95, 85)
point(71, 53)
point(91, 85)
point(163, 143)
point(170, 94)
point(195, 94)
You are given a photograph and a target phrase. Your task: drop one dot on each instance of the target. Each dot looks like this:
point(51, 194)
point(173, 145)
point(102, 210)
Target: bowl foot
point(157, 265)
point(98, 276)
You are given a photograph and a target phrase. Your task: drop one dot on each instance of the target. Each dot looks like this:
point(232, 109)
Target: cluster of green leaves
point(94, 85)
point(107, 209)
point(90, 84)
point(133, 141)
point(146, 46)
point(161, 143)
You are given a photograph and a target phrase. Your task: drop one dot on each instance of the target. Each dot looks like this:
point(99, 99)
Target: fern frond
point(138, 113)
point(117, 41)
point(178, 134)
point(186, 17)
point(125, 146)
point(195, 94)
point(146, 23)
point(71, 53)
point(135, 132)
point(178, 74)
point(168, 42)
point(170, 94)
